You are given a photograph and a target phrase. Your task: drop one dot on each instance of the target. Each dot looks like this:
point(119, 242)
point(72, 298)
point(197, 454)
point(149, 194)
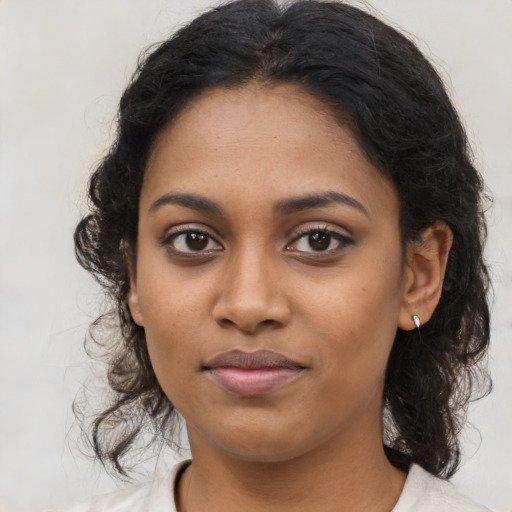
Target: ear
point(133, 295)
point(133, 304)
point(426, 260)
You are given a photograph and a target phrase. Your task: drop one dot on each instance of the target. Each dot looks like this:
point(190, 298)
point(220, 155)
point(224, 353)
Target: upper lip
point(251, 360)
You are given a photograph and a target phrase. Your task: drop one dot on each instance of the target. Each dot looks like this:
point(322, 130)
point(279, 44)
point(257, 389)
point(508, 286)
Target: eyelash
point(187, 230)
point(342, 240)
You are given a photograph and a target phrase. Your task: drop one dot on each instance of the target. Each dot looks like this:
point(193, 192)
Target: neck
point(352, 474)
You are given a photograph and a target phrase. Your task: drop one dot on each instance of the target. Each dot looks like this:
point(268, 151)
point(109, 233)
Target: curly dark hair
point(376, 81)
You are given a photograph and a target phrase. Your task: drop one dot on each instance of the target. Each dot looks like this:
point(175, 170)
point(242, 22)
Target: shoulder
point(424, 492)
point(156, 494)
point(135, 499)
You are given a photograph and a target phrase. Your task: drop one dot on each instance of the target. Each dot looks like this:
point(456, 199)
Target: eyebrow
point(282, 207)
point(191, 201)
point(297, 204)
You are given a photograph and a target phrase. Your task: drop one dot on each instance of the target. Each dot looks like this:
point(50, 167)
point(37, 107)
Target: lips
point(252, 373)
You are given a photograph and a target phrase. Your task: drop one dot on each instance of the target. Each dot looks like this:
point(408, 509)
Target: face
point(268, 275)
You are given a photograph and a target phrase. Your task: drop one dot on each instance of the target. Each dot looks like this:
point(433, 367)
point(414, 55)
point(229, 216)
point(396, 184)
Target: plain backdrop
point(63, 66)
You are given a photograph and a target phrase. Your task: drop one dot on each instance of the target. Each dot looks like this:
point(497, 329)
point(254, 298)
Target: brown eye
point(196, 241)
point(191, 242)
point(319, 241)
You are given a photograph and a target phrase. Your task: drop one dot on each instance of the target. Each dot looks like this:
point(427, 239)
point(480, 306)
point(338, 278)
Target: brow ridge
point(191, 201)
point(282, 207)
point(317, 200)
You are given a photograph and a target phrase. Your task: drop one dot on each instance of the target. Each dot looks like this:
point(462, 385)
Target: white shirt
point(422, 492)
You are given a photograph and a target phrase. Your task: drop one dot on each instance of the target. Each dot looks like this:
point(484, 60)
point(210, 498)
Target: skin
point(259, 283)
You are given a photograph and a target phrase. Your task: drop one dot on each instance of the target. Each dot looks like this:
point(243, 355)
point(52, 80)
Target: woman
point(291, 227)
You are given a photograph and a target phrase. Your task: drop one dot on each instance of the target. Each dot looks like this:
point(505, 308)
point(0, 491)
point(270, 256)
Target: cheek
point(175, 319)
point(354, 302)
point(172, 323)
point(355, 337)
point(355, 313)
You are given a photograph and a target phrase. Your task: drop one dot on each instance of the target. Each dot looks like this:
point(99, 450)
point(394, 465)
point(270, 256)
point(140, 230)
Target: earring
point(416, 320)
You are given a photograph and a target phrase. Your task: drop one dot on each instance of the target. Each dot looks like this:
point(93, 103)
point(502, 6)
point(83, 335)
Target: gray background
point(63, 65)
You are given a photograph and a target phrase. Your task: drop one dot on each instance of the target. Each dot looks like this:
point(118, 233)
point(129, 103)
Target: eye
point(191, 241)
point(319, 241)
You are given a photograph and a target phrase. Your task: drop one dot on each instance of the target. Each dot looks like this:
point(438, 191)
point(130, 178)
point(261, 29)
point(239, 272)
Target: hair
point(374, 79)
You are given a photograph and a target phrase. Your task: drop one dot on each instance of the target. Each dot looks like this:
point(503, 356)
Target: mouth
point(252, 373)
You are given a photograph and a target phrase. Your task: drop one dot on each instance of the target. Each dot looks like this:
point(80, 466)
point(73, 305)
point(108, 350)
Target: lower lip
point(256, 382)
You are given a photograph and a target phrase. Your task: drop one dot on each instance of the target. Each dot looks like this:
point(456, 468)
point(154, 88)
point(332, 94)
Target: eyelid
point(306, 229)
point(344, 239)
point(181, 229)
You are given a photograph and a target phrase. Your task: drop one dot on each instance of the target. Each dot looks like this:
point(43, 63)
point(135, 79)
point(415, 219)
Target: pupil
point(196, 241)
point(319, 241)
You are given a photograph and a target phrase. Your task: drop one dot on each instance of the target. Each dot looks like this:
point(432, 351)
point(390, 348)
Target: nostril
point(248, 326)
point(225, 322)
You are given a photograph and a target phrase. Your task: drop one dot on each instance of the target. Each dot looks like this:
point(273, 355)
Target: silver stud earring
point(416, 320)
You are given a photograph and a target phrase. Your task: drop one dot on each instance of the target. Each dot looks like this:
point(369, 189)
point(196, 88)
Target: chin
point(264, 446)
point(264, 455)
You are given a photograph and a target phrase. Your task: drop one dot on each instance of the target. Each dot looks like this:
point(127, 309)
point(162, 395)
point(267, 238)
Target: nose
point(251, 295)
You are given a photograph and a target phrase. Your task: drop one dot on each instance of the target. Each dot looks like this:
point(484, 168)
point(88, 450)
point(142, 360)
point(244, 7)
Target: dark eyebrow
point(283, 207)
point(192, 201)
point(297, 204)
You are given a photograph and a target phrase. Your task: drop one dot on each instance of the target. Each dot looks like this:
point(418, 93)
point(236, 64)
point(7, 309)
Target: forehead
point(263, 112)
point(261, 142)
